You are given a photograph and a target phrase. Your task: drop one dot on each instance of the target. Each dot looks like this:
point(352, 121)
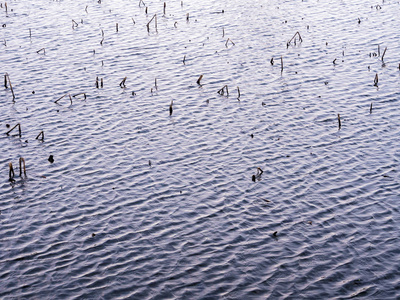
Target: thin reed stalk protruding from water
point(294, 38)
point(7, 78)
point(370, 109)
point(97, 82)
point(165, 6)
point(155, 20)
point(141, 2)
point(40, 134)
point(102, 37)
point(122, 84)
point(145, 10)
point(30, 33)
point(19, 129)
point(281, 63)
point(376, 80)
point(339, 122)
point(101, 82)
point(383, 55)
point(184, 60)
point(200, 78)
point(379, 50)
point(74, 24)
point(272, 61)
point(187, 17)
point(170, 107)
point(223, 32)
point(43, 49)
point(11, 173)
point(70, 98)
point(22, 163)
point(133, 20)
point(155, 84)
point(86, 8)
point(84, 95)
point(226, 44)
point(223, 90)
point(238, 93)
point(116, 27)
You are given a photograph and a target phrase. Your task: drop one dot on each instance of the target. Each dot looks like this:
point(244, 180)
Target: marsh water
point(143, 204)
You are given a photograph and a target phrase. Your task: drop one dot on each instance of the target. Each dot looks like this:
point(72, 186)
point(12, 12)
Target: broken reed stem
point(74, 24)
point(165, 5)
point(11, 173)
point(187, 17)
point(376, 80)
point(155, 84)
point(84, 95)
point(170, 107)
point(272, 61)
point(370, 109)
point(184, 60)
point(238, 93)
point(198, 80)
point(226, 44)
point(223, 32)
point(97, 82)
point(281, 63)
point(22, 162)
point(155, 21)
point(7, 77)
point(221, 91)
point(70, 98)
point(141, 2)
point(19, 129)
point(383, 55)
point(40, 134)
point(116, 27)
point(340, 123)
point(294, 37)
point(43, 49)
point(122, 84)
point(60, 98)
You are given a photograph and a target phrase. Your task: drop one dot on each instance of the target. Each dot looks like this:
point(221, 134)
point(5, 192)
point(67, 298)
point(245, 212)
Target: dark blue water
point(142, 204)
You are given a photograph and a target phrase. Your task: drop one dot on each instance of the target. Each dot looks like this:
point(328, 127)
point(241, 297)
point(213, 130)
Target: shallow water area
point(140, 203)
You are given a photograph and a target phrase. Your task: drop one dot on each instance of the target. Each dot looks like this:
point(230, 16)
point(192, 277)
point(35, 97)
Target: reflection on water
point(138, 202)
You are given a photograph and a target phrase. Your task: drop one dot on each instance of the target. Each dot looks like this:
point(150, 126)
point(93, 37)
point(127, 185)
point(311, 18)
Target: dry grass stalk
point(22, 162)
point(97, 82)
point(60, 98)
point(281, 63)
point(340, 123)
point(184, 60)
point(170, 107)
point(19, 129)
point(370, 109)
point(165, 5)
point(74, 24)
point(198, 80)
point(238, 93)
point(116, 27)
point(43, 49)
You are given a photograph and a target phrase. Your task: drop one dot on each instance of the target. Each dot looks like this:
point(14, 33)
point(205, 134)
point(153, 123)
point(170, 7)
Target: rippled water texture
point(142, 204)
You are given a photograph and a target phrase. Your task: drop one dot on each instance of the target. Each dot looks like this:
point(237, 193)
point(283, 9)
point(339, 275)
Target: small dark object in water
point(170, 107)
point(8, 125)
point(275, 233)
point(93, 234)
point(51, 159)
point(253, 178)
point(252, 135)
point(150, 163)
point(33, 92)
